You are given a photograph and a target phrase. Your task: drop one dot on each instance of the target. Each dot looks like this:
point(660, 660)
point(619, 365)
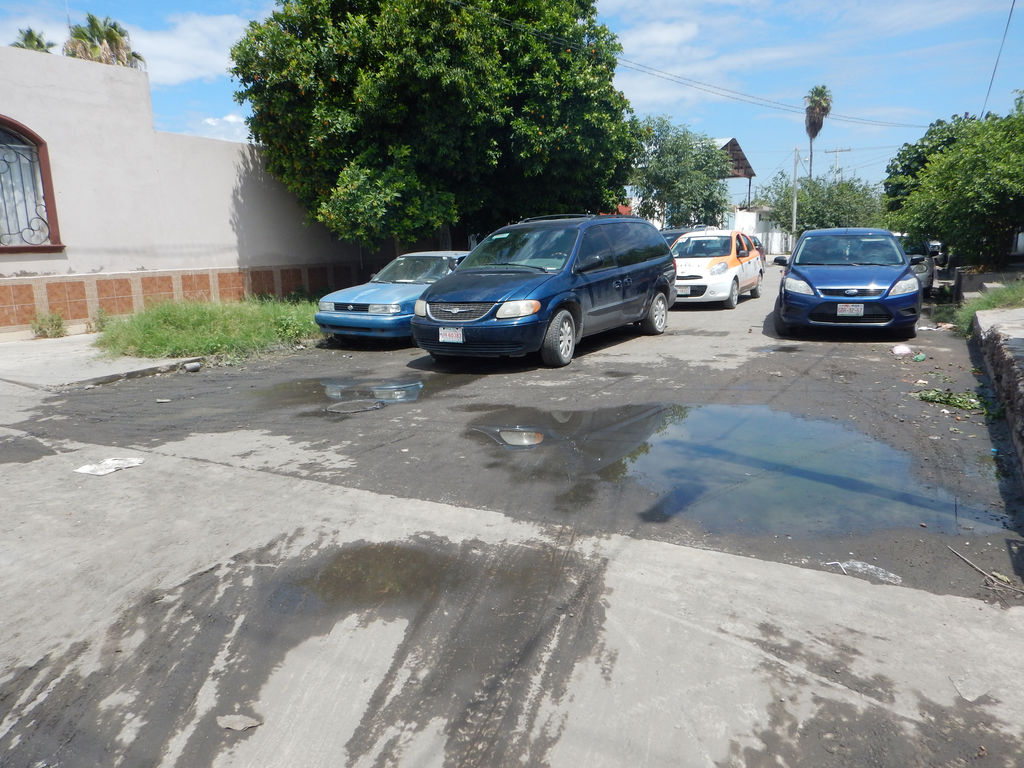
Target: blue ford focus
point(382, 308)
point(848, 278)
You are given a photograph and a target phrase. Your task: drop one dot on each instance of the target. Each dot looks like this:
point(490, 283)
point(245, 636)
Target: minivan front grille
point(459, 312)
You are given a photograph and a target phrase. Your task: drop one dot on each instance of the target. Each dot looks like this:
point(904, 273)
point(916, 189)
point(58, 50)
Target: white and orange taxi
point(716, 265)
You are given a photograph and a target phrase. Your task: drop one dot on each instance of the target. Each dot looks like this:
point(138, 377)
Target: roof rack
point(555, 216)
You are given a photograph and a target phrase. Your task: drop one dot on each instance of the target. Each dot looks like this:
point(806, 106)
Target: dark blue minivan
point(543, 284)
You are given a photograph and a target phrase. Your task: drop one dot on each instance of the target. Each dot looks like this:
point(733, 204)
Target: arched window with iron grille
point(28, 219)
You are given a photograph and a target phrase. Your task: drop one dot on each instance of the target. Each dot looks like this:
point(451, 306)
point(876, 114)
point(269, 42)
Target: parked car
point(545, 283)
point(717, 265)
point(382, 308)
point(925, 269)
point(672, 234)
point(760, 249)
point(848, 278)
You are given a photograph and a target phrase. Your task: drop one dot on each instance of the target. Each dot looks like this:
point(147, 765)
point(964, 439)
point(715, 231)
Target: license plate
point(850, 310)
point(682, 290)
point(450, 335)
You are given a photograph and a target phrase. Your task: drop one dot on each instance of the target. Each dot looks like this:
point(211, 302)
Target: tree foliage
point(903, 170)
point(822, 203)
point(678, 177)
point(397, 117)
point(818, 106)
point(104, 41)
point(31, 40)
point(972, 198)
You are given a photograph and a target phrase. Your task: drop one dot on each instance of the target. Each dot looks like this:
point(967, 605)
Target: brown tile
point(76, 291)
point(108, 304)
point(24, 294)
point(262, 282)
point(7, 315)
point(6, 296)
point(78, 309)
point(56, 293)
point(104, 289)
point(231, 286)
point(157, 284)
point(291, 280)
point(23, 313)
point(318, 280)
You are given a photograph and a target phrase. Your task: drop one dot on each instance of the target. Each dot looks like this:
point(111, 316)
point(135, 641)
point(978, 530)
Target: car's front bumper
point(890, 312)
point(704, 289)
point(488, 338)
point(363, 324)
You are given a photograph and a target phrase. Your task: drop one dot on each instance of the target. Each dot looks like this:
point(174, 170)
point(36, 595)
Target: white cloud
point(196, 47)
point(231, 127)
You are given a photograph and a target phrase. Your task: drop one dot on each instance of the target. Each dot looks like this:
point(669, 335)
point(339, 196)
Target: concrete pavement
point(72, 360)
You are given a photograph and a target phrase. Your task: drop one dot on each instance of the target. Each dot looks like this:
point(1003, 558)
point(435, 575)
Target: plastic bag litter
point(238, 722)
point(107, 466)
point(902, 349)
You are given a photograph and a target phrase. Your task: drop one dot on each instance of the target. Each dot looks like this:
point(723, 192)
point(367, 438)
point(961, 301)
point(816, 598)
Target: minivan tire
point(559, 340)
point(656, 320)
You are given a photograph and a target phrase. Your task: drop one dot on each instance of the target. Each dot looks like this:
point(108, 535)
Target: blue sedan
point(848, 278)
point(382, 308)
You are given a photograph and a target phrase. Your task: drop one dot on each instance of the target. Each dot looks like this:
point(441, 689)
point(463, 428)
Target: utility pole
point(796, 160)
point(836, 152)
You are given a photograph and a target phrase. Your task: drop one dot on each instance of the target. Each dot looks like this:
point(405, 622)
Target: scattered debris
point(107, 466)
point(902, 349)
point(193, 366)
point(964, 400)
point(994, 579)
point(163, 400)
point(238, 722)
point(867, 569)
point(919, 357)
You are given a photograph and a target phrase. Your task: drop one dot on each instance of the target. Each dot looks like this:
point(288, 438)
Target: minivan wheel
point(656, 320)
point(734, 296)
point(559, 340)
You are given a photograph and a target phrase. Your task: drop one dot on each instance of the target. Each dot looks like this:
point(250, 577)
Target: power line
point(715, 90)
point(998, 56)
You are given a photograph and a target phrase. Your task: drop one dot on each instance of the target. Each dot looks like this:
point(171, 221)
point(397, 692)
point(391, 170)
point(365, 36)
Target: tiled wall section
point(79, 298)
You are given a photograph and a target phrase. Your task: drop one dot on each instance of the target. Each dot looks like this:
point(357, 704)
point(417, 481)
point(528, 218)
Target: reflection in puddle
point(742, 469)
point(344, 395)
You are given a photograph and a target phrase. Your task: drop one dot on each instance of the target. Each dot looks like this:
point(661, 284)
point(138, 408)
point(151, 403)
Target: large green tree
point(398, 117)
point(31, 40)
point(972, 198)
point(678, 177)
point(823, 202)
point(904, 169)
point(105, 41)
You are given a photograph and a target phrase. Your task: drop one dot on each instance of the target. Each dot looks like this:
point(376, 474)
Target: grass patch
point(200, 329)
point(1009, 296)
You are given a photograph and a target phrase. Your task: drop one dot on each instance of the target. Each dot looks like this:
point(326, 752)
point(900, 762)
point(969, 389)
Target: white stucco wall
point(131, 198)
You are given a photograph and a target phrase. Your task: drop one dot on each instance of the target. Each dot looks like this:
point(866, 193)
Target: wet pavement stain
point(729, 468)
point(22, 449)
point(492, 636)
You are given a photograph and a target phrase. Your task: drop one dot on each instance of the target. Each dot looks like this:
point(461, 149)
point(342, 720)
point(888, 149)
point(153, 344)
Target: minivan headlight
point(796, 285)
point(420, 308)
point(518, 309)
point(906, 285)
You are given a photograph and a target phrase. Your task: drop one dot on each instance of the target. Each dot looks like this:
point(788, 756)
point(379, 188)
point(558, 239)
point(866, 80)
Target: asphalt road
point(712, 547)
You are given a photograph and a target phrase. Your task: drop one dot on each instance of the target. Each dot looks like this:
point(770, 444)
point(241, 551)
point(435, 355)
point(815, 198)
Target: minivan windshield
point(849, 250)
point(543, 248)
point(413, 269)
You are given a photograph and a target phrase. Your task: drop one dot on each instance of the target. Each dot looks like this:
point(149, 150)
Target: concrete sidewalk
point(73, 360)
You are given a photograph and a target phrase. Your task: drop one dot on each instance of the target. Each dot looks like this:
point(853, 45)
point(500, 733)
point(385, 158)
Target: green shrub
point(49, 326)
point(200, 329)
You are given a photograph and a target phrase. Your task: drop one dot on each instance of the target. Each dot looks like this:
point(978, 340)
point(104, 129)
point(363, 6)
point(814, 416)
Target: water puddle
point(737, 469)
point(344, 396)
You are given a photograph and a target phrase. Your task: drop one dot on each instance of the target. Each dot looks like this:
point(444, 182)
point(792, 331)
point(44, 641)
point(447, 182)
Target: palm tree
point(31, 40)
point(819, 104)
point(104, 41)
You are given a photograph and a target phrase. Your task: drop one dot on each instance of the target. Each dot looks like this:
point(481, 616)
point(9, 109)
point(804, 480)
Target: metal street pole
point(796, 160)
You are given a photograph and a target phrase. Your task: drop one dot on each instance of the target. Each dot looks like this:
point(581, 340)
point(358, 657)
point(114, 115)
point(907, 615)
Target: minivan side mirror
point(782, 260)
point(590, 261)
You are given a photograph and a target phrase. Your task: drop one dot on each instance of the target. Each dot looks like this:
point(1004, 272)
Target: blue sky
point(893, 67)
